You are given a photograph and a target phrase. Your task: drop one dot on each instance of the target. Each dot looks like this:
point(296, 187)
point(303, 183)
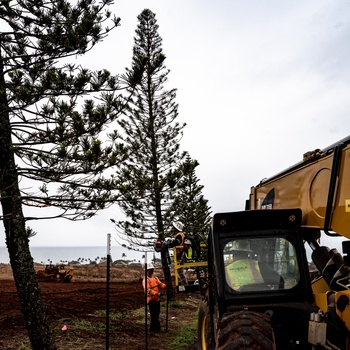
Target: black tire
point(204, 331)
point(245, 330)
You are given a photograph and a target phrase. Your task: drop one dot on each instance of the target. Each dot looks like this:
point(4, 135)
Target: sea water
point(54, 255)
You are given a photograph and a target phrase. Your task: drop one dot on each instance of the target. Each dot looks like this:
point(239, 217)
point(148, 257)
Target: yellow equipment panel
point(307, 186)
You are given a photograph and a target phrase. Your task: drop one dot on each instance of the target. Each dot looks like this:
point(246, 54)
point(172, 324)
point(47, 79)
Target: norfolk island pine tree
point(149, 177)
point(45, 137)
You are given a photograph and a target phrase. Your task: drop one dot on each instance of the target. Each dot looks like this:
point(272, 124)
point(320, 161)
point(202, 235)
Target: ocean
point(54, 255)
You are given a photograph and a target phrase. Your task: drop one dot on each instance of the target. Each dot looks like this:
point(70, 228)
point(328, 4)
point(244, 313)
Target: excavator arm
point(319, 185)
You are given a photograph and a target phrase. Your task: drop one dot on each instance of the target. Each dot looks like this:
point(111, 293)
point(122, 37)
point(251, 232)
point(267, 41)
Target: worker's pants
point(182, 277)
point(154, 310)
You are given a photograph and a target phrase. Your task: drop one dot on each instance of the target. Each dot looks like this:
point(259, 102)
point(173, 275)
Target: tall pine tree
point(189, 205)
point(150, 174)
point(52, 150)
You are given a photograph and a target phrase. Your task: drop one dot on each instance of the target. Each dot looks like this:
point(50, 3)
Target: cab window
point(260, 264)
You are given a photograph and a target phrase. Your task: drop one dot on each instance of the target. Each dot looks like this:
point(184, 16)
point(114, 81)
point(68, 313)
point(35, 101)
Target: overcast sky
point(258, 83)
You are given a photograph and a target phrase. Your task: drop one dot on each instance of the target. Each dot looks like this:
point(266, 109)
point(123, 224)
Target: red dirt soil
point(79, 305)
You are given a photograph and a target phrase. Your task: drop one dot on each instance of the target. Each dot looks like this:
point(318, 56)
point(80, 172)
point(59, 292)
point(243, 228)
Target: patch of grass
point(82, 345)
point(112, 315)
point(88, 326)
point(176, 304)
point(24, 346)
point(186, 336)
point(138, 313)
point(77, 333)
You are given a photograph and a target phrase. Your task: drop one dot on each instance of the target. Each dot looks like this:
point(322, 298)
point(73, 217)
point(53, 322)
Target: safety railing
point(197, 264)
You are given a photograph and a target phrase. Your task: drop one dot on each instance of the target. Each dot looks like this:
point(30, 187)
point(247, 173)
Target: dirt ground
point(77, 313)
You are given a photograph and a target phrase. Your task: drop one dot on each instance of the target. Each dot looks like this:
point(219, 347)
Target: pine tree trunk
point(27, 285)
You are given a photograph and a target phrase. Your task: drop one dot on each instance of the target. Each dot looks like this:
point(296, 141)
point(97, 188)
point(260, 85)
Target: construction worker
point(185, 255)
point(178, 241)
point(246, 271)
point(152, 289)
point(179, 236)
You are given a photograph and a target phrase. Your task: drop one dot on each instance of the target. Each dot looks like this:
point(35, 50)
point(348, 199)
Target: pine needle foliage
point(149, 176)
point(189, 205)
point(55, 147)
point(60, 140)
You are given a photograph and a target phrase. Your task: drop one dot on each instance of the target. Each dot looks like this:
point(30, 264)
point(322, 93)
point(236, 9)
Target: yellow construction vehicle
point(267, 299)
point(55, 273)
point(193, 270)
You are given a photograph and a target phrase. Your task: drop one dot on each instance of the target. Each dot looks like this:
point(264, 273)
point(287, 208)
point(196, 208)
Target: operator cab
point(257, 263)
point(260, 255)
point(260, 264)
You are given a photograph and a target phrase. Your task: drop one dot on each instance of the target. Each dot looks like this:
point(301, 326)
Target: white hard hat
point(178, 225)
point(188, 242)
point(241, 245)
point(150, 267)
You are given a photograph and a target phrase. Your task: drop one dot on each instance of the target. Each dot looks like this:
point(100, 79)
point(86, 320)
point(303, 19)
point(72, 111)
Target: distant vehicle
point(55, 273)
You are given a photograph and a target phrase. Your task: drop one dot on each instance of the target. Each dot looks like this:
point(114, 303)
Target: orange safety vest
point(180, 236)
point(243, 272)
point(153, 286)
